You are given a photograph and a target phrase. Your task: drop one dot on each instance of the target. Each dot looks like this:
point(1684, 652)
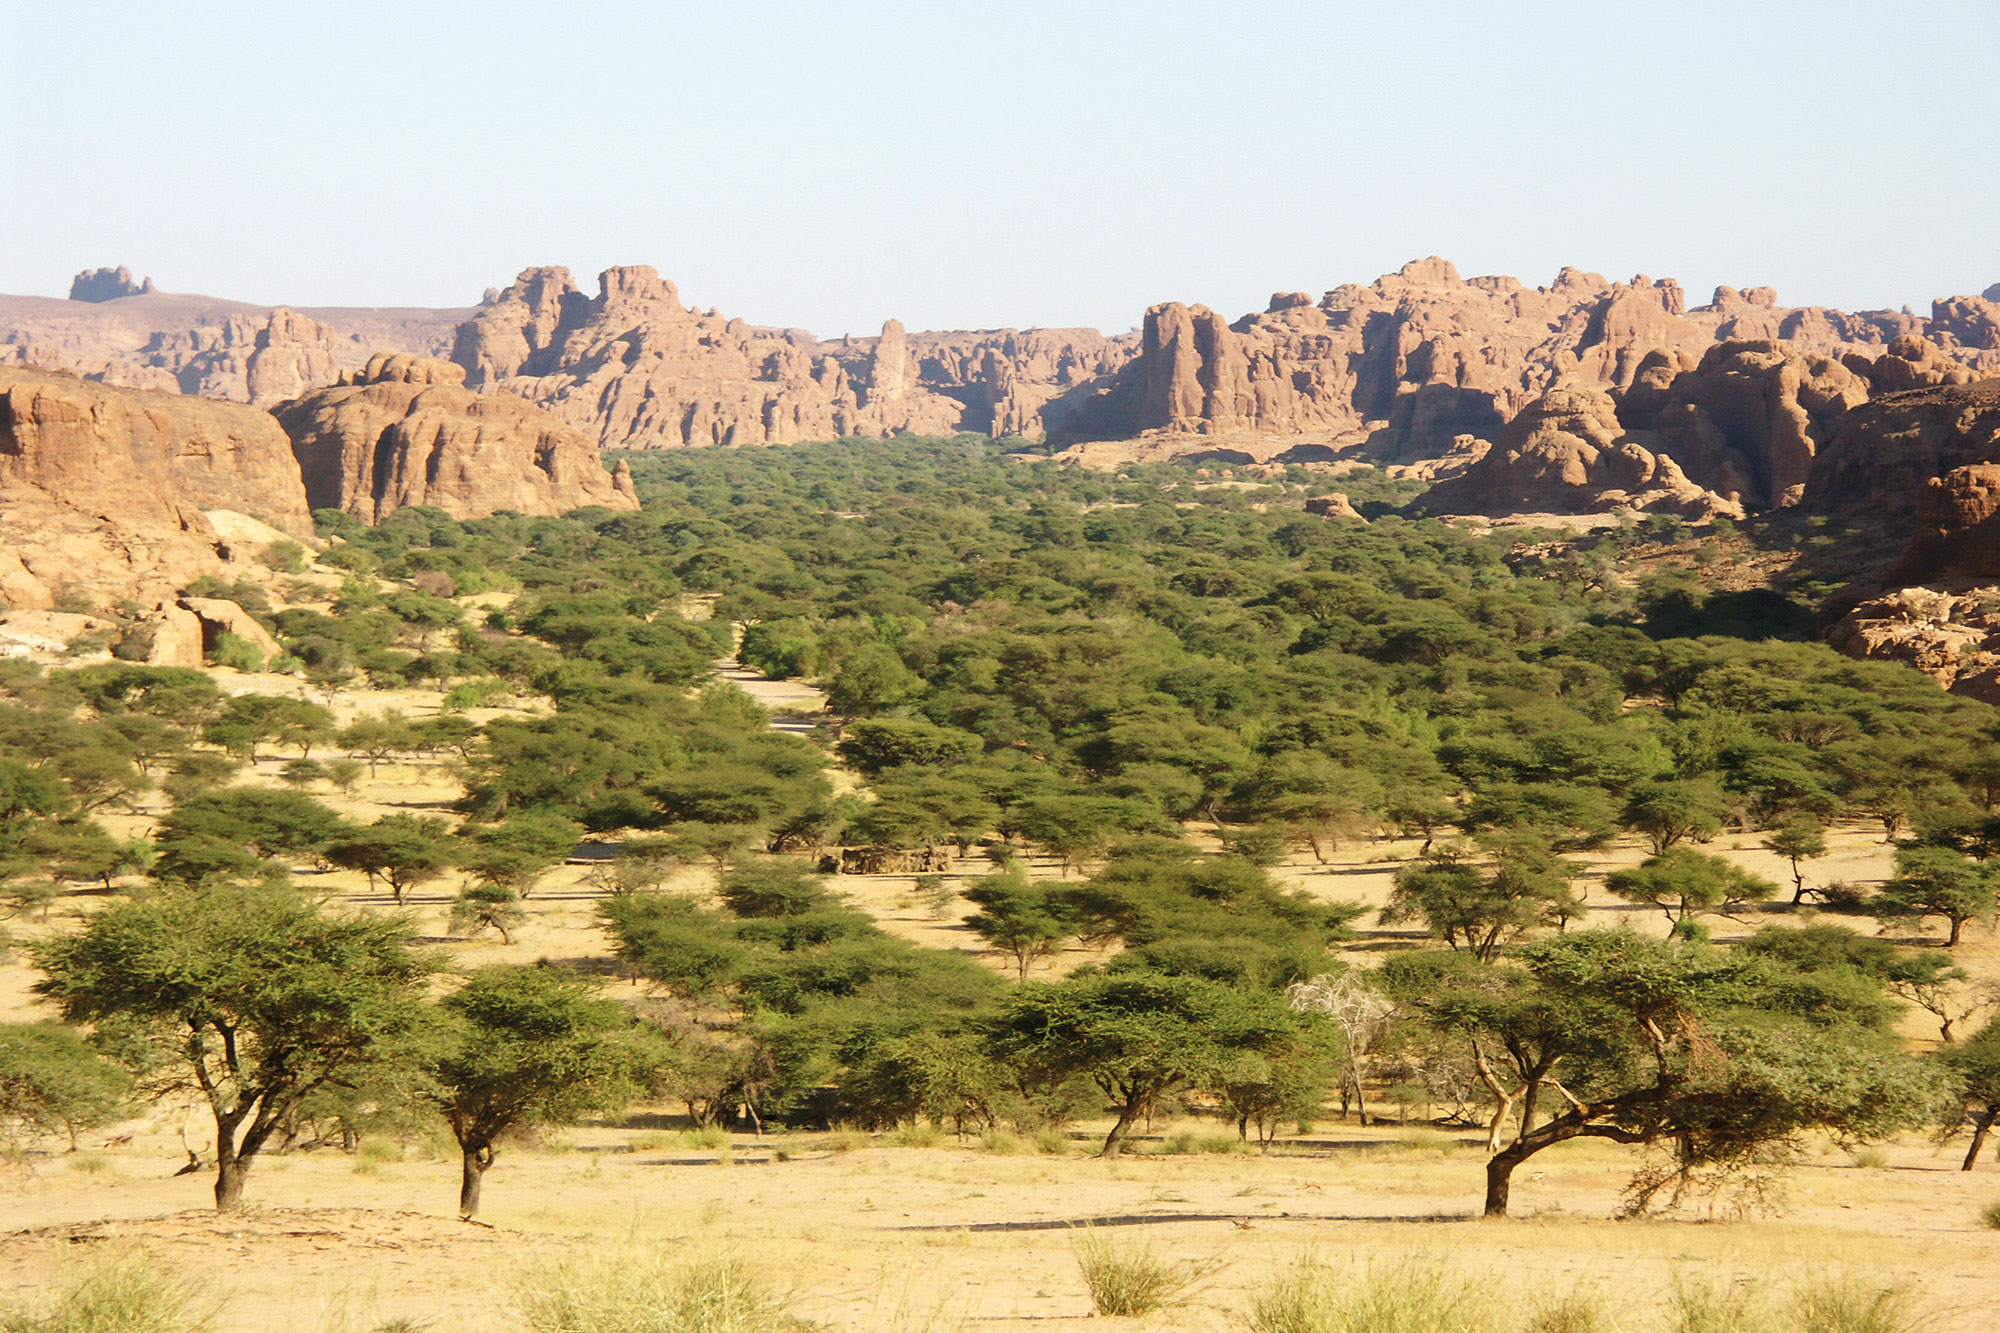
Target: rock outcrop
point(102, 489)
point(1408, 363)
point(1568, 453)
point(406, 431)
point(107, 284)
point(116, 332)
point(1747, 421)
point(1951, 636)
point(634, 367)
point(1884, 454)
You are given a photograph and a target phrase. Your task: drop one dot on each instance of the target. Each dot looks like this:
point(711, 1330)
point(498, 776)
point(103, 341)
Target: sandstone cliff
point(1567, 453)
point(406, 431)
point(102, 489)
point(633, 366)
point(1882, 455)
point(1406, 364)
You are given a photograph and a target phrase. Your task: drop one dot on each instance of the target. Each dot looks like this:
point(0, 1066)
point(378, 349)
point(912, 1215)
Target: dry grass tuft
point(1133, 1281)
point(116, 1293)
point(635, 1292)
point(1412, 1296)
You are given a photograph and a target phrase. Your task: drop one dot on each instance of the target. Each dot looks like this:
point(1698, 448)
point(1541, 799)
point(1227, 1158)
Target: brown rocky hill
point(102, 489)
point(1418, 357)
point(635, 367)
point(1883, 455)
point(125, 333)
point(405, 430)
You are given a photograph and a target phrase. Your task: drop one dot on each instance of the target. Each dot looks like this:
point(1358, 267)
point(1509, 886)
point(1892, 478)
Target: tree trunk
point(1980, 1129)
point(1530, 1094)
point(1500, 1177)
point(473, 1174)
point(1957, 925)
point(1114, 1142)
point(229, 1173)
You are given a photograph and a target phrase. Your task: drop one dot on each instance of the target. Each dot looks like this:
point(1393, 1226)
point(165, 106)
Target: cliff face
point(1419, 356)
point(102, 489)
point(632, 366)
point(406, 431)
point(1882, 455)
point(1567, 453)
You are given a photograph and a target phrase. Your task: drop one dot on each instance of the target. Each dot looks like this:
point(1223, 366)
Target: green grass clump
point(116, 1293)
point(1695, 1306)
point(1003, 1144)
point(646, 1293)
point(1990, 1215)
point(713, 1138)
point(914, 1135)
point(1133, 1281)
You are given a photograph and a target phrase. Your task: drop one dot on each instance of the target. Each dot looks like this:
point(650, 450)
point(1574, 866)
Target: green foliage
point(1480, 910)
point(531, 1046)
point(1684, 883)
point(402, 850)
point(653, 1293)
point(1025, 920)
point(1131, 1281)
point(1940, 882)
point(260, 995)
point(52, 1081)
point(1139, 1036)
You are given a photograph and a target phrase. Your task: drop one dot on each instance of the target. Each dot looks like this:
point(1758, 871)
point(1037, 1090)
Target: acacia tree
point(258, 997)
point(1799, 840)
point(51, 1079)
point(532, 1046)
point(1481, 910)
point(1685, 883)
point(1667, 812)
point(1139, 1036)
point(403, 850)
point(1976, 1063)
point(1681, 1044)
point(1941, 882)
point(1018, 918)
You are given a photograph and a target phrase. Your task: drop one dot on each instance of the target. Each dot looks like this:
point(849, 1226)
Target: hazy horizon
point(1022, 165)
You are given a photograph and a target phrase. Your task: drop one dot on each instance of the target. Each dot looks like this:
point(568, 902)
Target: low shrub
point(1133, 1281)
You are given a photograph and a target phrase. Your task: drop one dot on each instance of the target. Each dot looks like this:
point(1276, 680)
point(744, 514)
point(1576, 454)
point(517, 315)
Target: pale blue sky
point(975, 165)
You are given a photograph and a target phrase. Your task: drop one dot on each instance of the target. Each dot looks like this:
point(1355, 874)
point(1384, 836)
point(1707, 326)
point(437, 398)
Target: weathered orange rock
point(633, 367)
point(1567, 453)
point(405, 430)
point(1747, 421)
point(1881, 456)
point(136, 337)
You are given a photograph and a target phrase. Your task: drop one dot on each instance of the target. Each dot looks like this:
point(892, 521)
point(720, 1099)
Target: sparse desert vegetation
point(1097, 929)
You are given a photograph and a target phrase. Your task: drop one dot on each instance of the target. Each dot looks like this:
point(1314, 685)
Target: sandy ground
point(881, 1237)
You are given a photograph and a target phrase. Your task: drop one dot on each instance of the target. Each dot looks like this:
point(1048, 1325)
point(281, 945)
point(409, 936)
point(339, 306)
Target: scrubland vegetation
point(1111, 716)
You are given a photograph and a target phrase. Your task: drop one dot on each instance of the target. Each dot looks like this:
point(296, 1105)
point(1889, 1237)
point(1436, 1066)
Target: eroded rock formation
point(1882, 455)
point(118, 332)
point(633, 366)
point(107, 284)
point(1409, 362)
point(405, 430)
point(1568, 453)
point(102, 489)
